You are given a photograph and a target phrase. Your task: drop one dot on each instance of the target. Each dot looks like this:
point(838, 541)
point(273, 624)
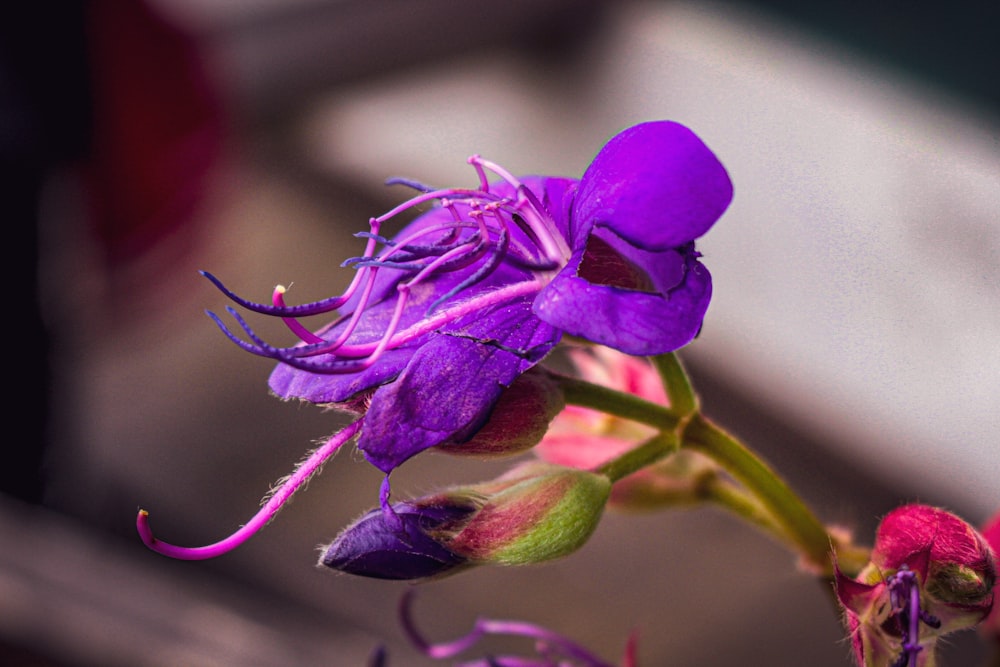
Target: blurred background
point(853, 338)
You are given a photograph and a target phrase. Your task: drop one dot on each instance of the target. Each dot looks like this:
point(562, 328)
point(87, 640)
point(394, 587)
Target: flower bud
point(930, 573)
point(959, 564)
point(519, 419)
point(991, 532)
point(402, 548)
point(533, 513)
point(585, 438)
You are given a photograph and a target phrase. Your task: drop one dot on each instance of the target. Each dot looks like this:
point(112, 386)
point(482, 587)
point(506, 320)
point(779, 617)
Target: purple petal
point(656, 185)
point(321, 388)
point(452, 383)
point(631, 321)
point(371, 547)
point(288, 382)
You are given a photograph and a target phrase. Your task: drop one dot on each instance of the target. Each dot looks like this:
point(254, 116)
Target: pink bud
point(909, 532)
point(519, 419)
point(585, 439)
point(991, 532)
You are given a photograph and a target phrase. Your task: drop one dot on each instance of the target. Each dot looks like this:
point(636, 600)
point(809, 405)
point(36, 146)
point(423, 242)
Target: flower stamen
point(904, 598)
point(355, 358)
point(306, 309)
point(274, 503)
point(278, 298)
point(545, 235)
point(486, 221)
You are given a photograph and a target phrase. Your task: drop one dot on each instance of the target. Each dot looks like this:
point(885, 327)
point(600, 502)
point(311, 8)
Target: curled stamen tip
point(170, 550)
point(280, 289)
point(145, 533)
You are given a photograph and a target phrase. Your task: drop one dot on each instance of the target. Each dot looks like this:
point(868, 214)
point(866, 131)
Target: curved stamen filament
point(355, 317)
point(274, 503)
point(470, 250)
point(455, 194)
point(498, 253)
point(490, 214)
point(278, 297)
point(552, 243)
point(482, 165)
point(450, 230)
point(306, 309)
point(329, 347)
point(538, 217)
point(348, 356)
point(410, 183)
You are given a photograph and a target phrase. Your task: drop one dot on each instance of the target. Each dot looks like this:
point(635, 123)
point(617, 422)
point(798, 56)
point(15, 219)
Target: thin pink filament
point(274, 503)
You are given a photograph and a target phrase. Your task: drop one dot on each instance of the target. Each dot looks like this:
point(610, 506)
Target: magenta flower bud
point(930, 573)
point(991, 532)
point(400, 547)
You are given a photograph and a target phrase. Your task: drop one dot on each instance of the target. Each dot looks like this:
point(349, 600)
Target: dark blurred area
point(952, 47)
point(141, 141)
point(46, 115)
point(112, 96)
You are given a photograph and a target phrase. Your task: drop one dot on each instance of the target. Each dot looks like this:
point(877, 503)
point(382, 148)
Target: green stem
point(802, 528)
point(722, 492)
point(680, 393)
point(590, 395)
point(649, 452)
point(805, 530)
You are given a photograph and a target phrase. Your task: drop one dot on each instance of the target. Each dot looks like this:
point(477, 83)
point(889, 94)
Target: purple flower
point(443, 317)
point(441, 324)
